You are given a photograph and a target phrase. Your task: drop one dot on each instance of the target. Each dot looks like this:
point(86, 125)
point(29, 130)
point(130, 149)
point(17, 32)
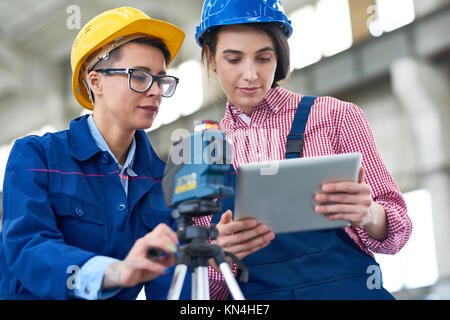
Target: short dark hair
point(115, 54)
point(273, 30)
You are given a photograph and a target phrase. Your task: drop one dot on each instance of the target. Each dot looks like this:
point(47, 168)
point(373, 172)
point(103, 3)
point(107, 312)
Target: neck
point(247, 110)
point(118, 139)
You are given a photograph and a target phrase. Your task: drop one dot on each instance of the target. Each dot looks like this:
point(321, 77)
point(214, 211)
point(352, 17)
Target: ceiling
point(40, 27)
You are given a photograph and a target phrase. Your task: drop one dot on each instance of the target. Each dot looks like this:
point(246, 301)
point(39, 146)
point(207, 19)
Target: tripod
point(197, 251)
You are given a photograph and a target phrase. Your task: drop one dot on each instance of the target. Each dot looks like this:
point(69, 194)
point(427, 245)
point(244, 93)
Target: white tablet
point(280, 193)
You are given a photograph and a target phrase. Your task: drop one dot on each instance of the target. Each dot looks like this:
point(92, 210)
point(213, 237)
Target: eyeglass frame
point(129, 71)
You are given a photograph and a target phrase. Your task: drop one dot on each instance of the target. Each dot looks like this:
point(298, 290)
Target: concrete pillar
point(422, 90)
point(36, 101)
point(424, 7)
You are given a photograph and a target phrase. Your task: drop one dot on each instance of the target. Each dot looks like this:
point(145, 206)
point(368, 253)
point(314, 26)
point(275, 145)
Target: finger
point(243, 236)
point(162, 241)
point(340, 208)
point(347, 198)
point(346, 187)
point(162, 231)
point(226, 217)
point(254, 244)
point(168, 261)
point(213, 264)
point(251, 243)
point(163, 228)
point(243, 253)
point(236, 226)
point(361, 175)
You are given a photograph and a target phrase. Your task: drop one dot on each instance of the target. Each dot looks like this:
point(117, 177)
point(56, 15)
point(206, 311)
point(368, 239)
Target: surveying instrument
point(193, 181)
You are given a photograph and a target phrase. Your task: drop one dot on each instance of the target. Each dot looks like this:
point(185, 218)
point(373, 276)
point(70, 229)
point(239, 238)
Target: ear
point(210, 58)
point(95, 83)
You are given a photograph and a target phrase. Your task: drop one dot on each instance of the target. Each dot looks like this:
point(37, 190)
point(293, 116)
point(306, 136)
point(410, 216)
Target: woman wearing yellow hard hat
point(82, 206)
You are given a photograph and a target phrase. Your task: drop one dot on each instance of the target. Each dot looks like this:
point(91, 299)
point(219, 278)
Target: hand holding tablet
point(282, 193)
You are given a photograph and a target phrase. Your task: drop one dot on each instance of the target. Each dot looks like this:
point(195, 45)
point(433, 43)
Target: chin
point(143, 124)
point(247, 103)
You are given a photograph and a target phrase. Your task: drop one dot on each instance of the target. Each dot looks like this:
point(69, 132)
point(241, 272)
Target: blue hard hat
point(226, 12)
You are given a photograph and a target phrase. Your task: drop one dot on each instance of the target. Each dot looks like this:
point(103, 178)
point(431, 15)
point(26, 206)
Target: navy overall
point(324, 264)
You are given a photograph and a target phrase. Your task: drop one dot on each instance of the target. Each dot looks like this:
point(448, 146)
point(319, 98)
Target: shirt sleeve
point(357, 136)
point(89, 278)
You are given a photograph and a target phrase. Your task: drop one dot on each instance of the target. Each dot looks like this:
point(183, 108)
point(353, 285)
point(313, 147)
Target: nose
point(154, 90)
point(250, 71)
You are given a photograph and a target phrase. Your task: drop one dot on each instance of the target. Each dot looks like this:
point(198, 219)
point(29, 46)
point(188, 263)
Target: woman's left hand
point(352, 201)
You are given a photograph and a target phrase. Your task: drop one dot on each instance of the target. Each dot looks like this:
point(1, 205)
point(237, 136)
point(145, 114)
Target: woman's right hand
point(136, 267)
point(242, 237)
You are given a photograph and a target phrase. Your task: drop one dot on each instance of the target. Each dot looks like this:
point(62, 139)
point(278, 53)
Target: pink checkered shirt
point(333, 127)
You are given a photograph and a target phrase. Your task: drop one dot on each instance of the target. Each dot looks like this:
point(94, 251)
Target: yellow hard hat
point(115, 27)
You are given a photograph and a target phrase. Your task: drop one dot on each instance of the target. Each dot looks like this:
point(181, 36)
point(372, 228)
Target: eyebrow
point(239, 52)
point(163, 73)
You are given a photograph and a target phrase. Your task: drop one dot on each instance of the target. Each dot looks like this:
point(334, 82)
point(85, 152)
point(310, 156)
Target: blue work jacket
point(63, 203)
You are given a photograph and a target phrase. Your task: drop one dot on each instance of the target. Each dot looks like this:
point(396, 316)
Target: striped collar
point(275, 99)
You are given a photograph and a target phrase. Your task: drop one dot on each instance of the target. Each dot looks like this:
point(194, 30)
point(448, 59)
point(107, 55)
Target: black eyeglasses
point(140, 80)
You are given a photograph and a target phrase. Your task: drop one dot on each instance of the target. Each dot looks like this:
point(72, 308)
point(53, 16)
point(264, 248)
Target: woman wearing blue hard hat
point(245, 44)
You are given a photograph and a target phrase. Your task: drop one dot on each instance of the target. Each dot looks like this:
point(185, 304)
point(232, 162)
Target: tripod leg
point(194, 291)
point(232, 284)
point(205, 283)
point(177, 282)
point(200, 285)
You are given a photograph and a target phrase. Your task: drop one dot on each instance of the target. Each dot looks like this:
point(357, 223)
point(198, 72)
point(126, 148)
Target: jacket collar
point(82, 144)
point(83, 147)
point(147, 162)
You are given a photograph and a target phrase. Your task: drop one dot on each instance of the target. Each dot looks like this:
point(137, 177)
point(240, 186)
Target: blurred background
point(390, 57)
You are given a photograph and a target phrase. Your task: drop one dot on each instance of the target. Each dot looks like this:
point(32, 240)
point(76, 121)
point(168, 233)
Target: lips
point(249, 90)
point(149, 108)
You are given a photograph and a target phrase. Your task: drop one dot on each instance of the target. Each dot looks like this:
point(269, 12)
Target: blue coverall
point(63, 203)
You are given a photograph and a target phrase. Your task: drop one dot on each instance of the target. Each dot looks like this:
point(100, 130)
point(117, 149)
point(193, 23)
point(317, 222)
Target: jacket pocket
point(80, 222)
point(73, 207)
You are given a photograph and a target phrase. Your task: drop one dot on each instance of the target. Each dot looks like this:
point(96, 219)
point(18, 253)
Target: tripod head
point(183, 215)
point(197, 237)
point(194, 178)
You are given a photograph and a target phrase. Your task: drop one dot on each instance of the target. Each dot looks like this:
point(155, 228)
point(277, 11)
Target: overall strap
point(294, 143)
